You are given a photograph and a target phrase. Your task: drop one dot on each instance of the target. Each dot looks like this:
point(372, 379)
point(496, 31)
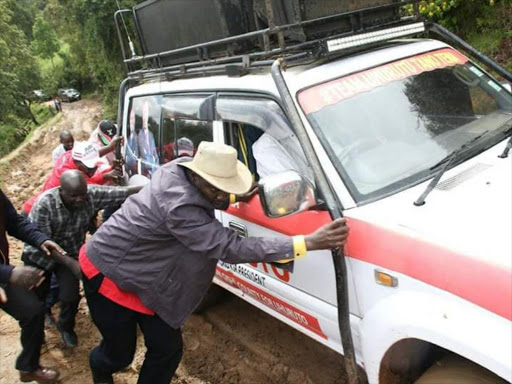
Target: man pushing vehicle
point(153, 261)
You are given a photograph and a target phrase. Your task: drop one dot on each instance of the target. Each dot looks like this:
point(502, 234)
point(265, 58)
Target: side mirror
point(507, 86)
point(286, 193)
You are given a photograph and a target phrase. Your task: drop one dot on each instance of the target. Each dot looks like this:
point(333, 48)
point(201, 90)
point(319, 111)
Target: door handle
point(239, 228)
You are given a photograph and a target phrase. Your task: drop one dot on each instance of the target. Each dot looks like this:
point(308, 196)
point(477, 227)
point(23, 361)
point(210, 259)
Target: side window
point(259, 130)
point(180, 137)
point(162, 128)
point(143, 136)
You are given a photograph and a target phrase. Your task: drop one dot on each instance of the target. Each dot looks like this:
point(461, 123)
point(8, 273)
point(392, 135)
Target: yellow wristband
point(299, 249)
point(232, 198)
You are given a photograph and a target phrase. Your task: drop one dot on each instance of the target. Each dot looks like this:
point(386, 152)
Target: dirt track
point(232, 342)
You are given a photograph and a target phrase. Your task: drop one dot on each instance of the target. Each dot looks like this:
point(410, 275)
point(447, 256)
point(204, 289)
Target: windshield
point(387, 126)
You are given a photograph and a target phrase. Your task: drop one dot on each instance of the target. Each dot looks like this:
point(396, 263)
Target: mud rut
point(231, 342)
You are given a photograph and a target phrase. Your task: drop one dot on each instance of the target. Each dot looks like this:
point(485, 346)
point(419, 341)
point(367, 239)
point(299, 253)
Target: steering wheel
point(348, 153)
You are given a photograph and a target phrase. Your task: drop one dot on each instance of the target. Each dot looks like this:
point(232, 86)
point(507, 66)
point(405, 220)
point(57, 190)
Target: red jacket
point(63, 164)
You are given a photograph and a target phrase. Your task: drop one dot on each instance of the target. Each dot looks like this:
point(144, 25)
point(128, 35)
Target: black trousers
point(118, 327)
point(69, 294)
point(25, 306)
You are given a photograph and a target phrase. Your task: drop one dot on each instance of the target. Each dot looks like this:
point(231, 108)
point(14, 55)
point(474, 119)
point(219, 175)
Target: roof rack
point(298, 41)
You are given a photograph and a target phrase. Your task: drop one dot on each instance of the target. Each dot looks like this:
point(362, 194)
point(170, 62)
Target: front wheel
point(457, 370)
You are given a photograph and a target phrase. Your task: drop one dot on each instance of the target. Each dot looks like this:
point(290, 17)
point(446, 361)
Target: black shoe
point(98, 379)
point(69, 338)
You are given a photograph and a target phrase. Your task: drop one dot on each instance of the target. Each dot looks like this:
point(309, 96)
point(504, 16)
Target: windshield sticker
point(495, 86)
point(476, 71)
point(314, 99)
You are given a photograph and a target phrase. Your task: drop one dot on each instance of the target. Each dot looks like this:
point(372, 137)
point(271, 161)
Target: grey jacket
point(164, 243)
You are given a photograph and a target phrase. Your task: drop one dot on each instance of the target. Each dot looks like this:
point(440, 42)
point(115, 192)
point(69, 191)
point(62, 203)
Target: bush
point(15, 129)
point(42, 112)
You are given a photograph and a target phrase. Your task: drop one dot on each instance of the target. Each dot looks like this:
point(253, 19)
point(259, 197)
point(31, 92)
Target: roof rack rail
point(297, 41)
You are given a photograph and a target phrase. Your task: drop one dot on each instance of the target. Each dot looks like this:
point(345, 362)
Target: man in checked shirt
point(63, 213)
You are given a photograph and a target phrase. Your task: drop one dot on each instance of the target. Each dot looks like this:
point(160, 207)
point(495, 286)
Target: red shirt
point(63, 164)
point(109, 289)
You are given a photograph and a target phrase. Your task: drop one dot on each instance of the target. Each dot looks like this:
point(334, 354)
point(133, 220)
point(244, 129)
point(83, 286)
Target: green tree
point(19, 73)
point(45, 43)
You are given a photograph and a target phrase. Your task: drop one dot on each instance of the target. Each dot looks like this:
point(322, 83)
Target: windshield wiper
point(505, 152)
point(445, 164)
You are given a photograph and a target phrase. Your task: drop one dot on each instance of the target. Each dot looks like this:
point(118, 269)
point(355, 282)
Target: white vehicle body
point(450, 260)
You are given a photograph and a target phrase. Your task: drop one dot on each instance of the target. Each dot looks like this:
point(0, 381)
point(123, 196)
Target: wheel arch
point(425, 325)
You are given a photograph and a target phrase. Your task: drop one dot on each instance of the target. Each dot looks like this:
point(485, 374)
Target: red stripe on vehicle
point(299, 224)
point(296, 315)
point(481, 283)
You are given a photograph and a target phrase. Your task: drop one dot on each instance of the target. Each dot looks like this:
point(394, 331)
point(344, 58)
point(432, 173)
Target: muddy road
point(231, 342)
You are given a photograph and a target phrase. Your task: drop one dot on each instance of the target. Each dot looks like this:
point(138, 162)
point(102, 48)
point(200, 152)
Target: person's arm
point(103, 196)
point(195, 229)
point(22, 228)
point(111, 146)
point(5, 273)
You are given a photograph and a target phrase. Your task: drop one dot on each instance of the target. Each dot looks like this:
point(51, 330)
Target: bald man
point(66, 144)
point(63, 214)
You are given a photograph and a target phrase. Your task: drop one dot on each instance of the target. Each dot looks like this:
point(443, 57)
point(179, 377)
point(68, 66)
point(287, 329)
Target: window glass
point(387, 127)
point(189, 133)
point(143, 136)
point(261, 133)
point(180, 137)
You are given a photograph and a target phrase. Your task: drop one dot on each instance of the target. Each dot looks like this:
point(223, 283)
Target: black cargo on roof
point(165, 25)
point(169, 24)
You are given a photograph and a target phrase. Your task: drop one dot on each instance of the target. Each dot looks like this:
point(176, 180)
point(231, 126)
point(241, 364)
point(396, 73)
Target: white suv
point(410, 137)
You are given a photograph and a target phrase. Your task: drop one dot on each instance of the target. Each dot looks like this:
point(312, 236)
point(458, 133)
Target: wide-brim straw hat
point(218, 165)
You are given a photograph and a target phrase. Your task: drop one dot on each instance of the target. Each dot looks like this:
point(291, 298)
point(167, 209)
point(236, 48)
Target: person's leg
point(53, 296)
point(51, 299)
point(69, 296)
point(164, 350)
point(25, 306)
point(118, 328)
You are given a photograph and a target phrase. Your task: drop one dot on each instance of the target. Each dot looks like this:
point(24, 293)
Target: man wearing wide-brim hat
point(151, 263)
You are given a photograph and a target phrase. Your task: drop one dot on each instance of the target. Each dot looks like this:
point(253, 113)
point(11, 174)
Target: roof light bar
point(374, 37)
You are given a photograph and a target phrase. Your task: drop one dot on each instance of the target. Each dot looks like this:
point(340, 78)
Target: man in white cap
point(153, 261)
point(85, 157)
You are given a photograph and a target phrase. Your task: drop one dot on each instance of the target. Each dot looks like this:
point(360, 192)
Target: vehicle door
point(302, 293)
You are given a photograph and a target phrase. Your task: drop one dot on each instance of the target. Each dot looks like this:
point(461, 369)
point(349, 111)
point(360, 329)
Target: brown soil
point(231, 342)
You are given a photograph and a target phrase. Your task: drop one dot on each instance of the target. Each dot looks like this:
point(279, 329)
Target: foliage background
point(47, 44)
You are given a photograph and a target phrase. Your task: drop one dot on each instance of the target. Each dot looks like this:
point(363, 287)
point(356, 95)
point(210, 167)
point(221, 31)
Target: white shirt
point(58, 152)
point(271, 157)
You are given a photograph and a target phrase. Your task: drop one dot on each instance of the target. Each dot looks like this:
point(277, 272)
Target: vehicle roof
point(296, 77)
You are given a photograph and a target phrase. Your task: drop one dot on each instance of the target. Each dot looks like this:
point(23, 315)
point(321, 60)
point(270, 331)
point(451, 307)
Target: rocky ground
point(231, 342)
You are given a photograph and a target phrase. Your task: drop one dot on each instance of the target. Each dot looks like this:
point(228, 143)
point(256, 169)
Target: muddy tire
point(457, 370)
point(212, 297)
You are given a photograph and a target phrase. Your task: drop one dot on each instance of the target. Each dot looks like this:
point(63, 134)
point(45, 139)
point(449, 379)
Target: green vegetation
point(45, 43)
point(15, 130)
point(485, 24)
point(48, 44)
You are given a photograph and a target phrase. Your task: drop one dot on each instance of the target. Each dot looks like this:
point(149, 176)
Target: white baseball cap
point(86, 153)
